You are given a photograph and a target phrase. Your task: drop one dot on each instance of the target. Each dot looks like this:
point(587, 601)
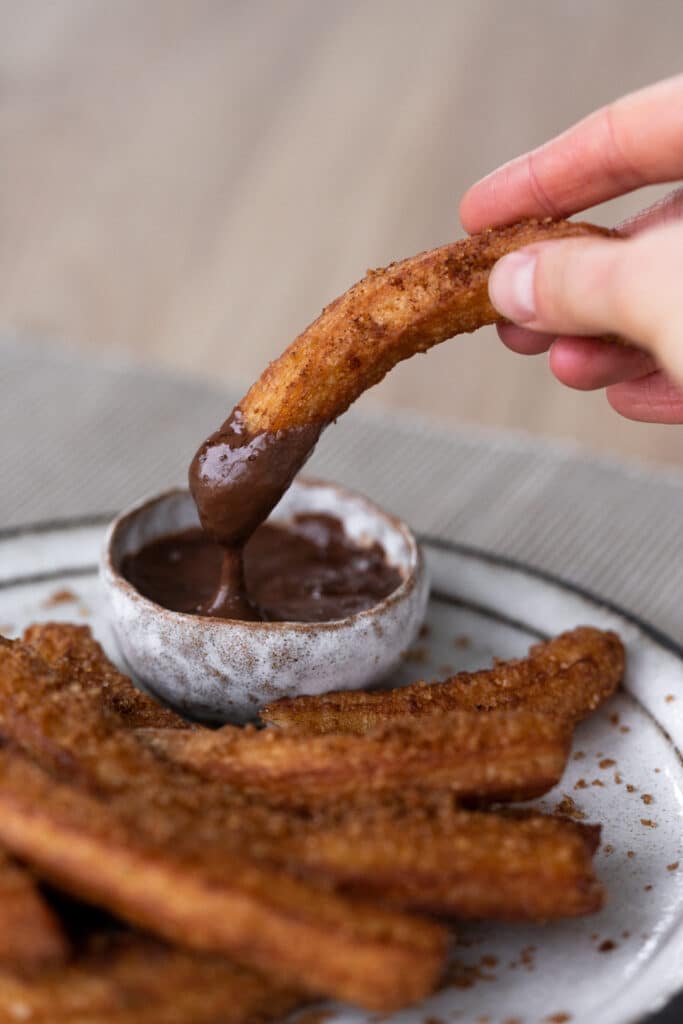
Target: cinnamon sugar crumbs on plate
point(669, 697)
point(624, 728)
point(462, 975)
point(607, 946)
point(614, 719)
point(419, 655)
point(648, 823)
point(425, 630)
point(581, 784)
point(462, 642)
point(527, 957)
point(630, 788)
point(569, 808)
point(58, 597)
point(607, 762)
point(618, 778)
point(598, 782)
point(557, 1018)
point(578, 756)
point(648, 888)
point(647, 798)
point(608, 849)
point(673, 867)
point(630, 854)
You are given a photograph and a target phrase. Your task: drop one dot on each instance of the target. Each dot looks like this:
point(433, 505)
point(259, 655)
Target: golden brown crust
point(569, 677)
point(122, 977)
point(390, 315)
point(501, 756)
point(31, 936)
point(104, 819)
point(425, 853)
point(304, 892)
point(213, 900)
point(76, 656)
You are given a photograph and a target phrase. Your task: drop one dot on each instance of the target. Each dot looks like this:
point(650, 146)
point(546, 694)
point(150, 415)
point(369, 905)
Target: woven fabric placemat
point(82, 437)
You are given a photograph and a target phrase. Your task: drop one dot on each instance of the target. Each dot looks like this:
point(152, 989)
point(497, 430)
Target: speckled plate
point(626, 772)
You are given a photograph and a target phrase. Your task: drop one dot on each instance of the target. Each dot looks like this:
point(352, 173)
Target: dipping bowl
point(220, 670)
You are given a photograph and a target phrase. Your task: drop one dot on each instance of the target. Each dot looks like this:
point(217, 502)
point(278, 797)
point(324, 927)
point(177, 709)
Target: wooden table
point(189, 182)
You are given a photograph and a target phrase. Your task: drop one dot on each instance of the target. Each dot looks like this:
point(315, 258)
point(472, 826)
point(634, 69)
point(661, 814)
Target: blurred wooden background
point(189, 181)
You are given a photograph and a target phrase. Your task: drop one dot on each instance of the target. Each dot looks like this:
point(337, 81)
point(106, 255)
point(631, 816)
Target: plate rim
point(658, 636)
point(654, 635)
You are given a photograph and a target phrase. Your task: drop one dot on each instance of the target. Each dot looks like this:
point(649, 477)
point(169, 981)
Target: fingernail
point(511, 286)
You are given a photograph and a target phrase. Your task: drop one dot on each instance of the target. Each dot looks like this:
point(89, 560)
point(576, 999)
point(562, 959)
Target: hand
point(560, 293)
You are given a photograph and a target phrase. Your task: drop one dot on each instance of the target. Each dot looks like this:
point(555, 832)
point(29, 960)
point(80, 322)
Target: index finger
point(635, 141)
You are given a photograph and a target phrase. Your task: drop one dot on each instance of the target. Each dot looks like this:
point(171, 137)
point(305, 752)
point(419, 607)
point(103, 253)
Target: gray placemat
point(81, 438)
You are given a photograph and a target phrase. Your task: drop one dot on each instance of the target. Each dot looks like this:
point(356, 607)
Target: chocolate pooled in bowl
point(306, 570)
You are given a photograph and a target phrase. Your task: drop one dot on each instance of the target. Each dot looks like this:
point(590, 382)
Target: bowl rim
point(415, 570)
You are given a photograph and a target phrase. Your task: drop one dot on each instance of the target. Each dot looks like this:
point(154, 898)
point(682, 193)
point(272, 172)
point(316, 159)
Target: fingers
point(527, 343)
point(635, 388)
point(589, 286)
point(532, 343)
point(635, 141)
point(651, 399)
point(667, 209)
point(588, 364)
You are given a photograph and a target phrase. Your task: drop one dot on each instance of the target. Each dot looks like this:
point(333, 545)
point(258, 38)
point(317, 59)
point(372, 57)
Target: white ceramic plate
point(613, 968)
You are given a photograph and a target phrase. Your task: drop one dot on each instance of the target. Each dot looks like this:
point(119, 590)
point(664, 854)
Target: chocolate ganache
point(306, 571)
point(236, 479)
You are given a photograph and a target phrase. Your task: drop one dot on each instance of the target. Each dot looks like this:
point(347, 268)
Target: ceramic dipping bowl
point(220, 670)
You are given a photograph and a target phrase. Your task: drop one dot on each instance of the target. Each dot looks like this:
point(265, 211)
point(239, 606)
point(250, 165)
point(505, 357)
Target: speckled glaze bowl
point(218, 670)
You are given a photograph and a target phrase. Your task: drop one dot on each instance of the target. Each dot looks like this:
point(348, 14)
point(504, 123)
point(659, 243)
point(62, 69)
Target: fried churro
point(31, 936)
point(79, 660)
point(101, 817)
point(208, 898)
point(500, 756)
point(423, 852)
point(122, 977)
point(568, 677)
point(240, 472)
point(392, 313)
point(257, 845)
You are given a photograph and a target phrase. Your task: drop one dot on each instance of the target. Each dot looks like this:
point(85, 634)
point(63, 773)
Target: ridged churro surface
point(569, 676)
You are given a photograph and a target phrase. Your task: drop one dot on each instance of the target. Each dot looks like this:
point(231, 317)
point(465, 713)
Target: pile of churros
point(157, 871)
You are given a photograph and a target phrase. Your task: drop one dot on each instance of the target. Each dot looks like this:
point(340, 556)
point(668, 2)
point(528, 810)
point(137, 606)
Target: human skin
point(560, 294)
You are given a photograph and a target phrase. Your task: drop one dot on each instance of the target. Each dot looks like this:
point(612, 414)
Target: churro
point(568, 677)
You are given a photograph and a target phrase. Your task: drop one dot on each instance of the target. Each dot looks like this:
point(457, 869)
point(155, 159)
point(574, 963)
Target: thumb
point(630, 287)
